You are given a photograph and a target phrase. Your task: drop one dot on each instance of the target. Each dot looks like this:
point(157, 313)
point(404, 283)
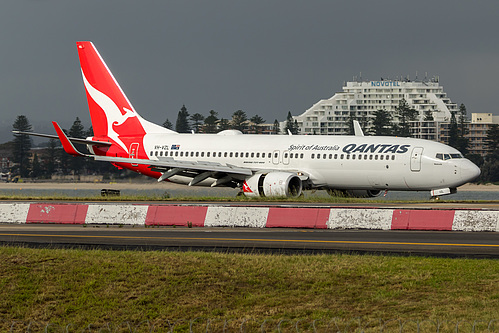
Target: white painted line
point(116, 214)
point(475, 220)
point(14, 212)
point(254, 217)
point(376, 219)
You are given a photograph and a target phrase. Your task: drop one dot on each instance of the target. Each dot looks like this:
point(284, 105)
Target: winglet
point(357, 129)
point(66, 144)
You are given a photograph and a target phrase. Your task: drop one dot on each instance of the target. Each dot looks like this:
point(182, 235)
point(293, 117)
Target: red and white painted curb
point(250, 216)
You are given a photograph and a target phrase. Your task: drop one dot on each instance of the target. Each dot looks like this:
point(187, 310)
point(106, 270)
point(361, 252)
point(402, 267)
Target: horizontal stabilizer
point(73, 140)
point(66, 144)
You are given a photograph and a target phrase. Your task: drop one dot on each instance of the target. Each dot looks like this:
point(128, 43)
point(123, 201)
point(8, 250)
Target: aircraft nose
point(469, 171)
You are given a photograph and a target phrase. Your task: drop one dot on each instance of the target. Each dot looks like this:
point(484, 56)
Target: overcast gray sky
point(264, 57)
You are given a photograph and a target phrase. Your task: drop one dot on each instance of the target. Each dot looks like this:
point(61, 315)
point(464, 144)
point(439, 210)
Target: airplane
point(260, 165)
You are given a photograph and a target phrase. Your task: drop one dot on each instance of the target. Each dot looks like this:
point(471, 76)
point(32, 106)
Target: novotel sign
point(385, 83)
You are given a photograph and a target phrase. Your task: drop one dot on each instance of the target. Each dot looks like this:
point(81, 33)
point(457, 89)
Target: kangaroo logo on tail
point(111, 110)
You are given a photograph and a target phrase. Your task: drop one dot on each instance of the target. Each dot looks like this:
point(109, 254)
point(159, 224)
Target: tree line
point(197, 123)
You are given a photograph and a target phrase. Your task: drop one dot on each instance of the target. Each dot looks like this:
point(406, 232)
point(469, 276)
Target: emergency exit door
point(416, 159)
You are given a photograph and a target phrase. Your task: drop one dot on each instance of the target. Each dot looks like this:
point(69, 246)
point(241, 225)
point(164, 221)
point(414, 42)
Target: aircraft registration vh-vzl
point(261, 165)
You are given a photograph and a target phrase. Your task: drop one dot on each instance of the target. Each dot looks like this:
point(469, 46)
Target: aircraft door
point(285, 157)
point(416, 159)
point(275, 157)
point(134, 151)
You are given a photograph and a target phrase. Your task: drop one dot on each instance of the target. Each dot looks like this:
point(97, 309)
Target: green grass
point(83, 287)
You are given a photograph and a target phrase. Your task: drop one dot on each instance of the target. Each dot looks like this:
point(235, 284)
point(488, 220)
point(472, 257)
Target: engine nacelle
point(273, 184)
point(355, 193)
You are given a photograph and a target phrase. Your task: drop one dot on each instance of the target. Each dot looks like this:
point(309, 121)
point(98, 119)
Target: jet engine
point(354, 193)
point(273, 184)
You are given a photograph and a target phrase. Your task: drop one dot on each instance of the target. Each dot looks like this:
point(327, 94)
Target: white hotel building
point(363, 98)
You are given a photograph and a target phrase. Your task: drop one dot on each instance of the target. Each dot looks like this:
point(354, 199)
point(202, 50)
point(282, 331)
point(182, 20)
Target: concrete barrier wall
point(254, 217)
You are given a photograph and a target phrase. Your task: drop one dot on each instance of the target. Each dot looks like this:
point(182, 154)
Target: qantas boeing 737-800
point(261, 165)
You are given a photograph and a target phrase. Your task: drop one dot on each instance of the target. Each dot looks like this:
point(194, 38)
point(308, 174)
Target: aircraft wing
point(169, 163)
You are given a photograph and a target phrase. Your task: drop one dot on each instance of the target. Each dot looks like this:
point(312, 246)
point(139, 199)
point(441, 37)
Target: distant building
point(477, 131)
point(362, 98)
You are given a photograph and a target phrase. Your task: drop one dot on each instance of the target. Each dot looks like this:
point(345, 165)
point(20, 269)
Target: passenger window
point(365, 157)
point(381, 157)
point(192, 154)
point(387, 157)
point(257, 155)
point(225, 154)
point(330, 156)
point(341, 156)
point(219, 154)
point(207, 154)
point(247, 155)
point(252, 155)
point(312, 156)
point(324, 156)
point(236, 154)
point(230, 154)
point(393, 157)
point(202, 154)
point(176, 153)
point(348, 156)
point(197, 154)
point(353, 157)
point(318, 156)
point(275, 155)
point(171, 153)
point(335, 156)
point(181, 154)
point(376, 157)
point(301, 155)
point(370, 157)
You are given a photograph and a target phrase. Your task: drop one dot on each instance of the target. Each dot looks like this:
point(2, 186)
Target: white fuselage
point(335, 162)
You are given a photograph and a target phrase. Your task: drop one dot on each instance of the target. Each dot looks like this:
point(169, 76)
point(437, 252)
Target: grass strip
point(95, 287)
point(239, 199)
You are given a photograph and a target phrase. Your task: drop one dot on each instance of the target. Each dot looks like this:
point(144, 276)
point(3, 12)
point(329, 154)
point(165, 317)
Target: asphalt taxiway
point(276, 240)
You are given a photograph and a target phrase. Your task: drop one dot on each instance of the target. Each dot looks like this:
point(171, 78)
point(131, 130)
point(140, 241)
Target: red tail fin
point(112, 114)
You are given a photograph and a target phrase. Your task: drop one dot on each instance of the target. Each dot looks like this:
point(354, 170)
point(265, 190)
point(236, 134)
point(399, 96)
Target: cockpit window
point(446, 157)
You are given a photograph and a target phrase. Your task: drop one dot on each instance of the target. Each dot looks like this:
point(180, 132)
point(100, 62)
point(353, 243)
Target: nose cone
point(469, 171)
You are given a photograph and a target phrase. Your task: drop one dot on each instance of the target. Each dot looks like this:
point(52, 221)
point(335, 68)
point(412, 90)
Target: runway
point(287, 241)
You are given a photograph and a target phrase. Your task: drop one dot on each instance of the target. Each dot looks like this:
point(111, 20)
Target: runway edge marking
point(253, 217)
